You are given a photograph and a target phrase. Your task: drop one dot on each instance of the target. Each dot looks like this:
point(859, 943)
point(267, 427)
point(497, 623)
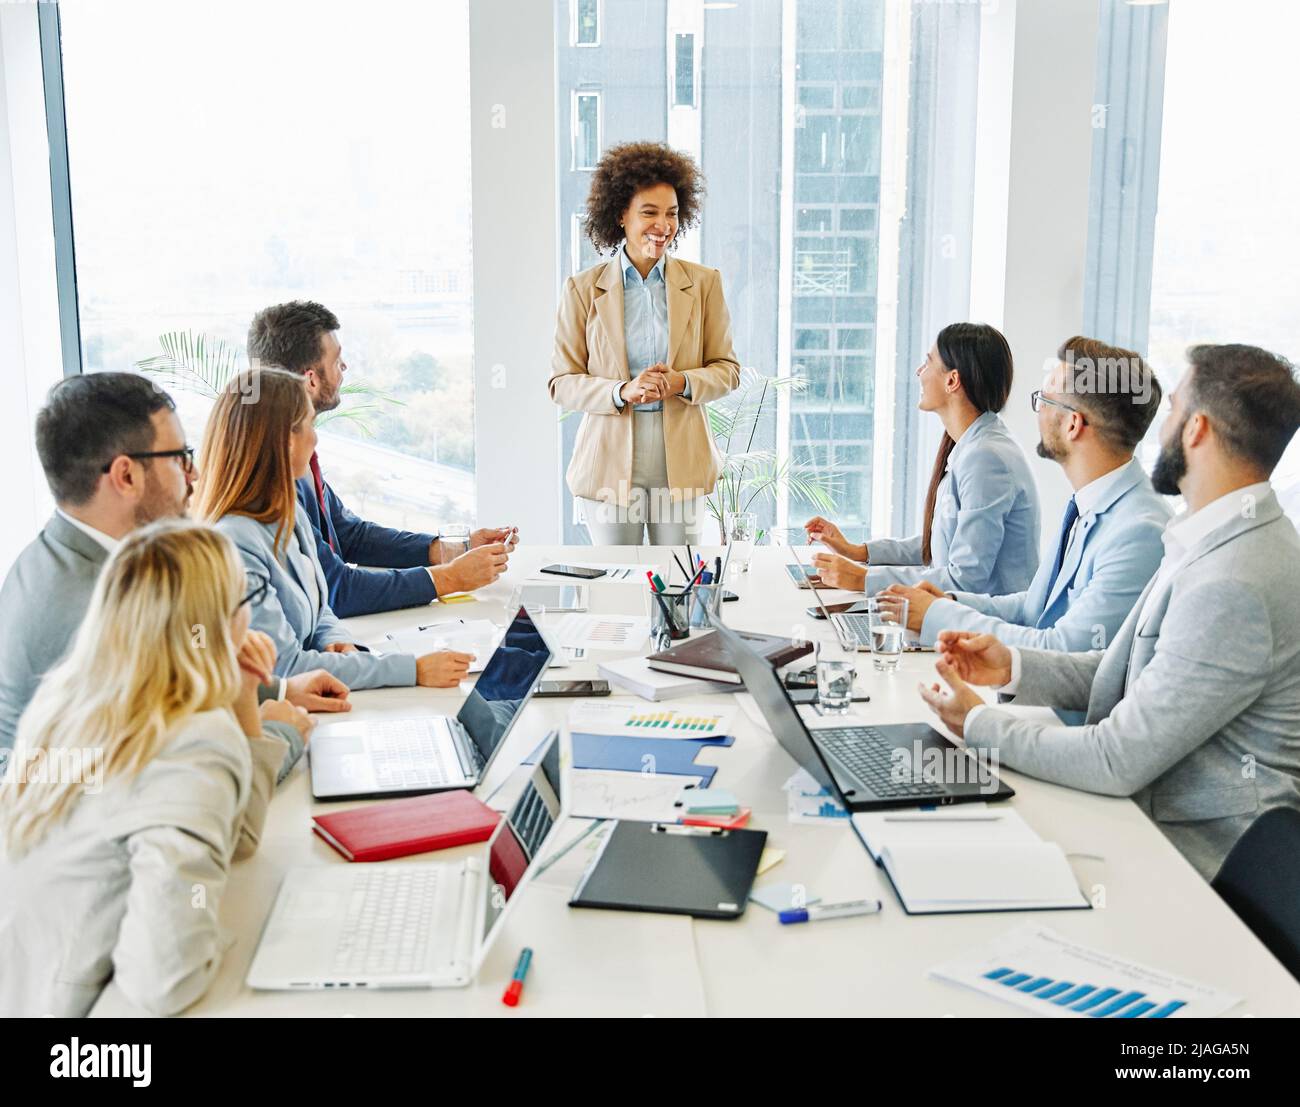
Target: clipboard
point(669, 868)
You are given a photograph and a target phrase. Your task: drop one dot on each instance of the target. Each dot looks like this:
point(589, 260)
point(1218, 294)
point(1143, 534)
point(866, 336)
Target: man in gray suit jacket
point(115, 457)
point(1194, 709)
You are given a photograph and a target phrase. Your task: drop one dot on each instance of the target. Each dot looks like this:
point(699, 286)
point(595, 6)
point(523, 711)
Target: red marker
point(516, 986)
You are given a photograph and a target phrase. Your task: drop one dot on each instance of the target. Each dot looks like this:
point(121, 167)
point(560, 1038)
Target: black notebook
point(673, 869)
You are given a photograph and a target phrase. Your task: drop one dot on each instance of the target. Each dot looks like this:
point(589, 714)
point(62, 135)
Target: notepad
point(938, 877)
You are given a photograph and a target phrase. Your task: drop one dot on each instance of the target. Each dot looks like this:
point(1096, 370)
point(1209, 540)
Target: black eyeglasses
point(185, 455)
point(256, 592)
point(1037, 400)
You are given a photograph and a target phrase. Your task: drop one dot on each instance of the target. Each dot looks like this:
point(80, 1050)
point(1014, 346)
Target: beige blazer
point(591, 353)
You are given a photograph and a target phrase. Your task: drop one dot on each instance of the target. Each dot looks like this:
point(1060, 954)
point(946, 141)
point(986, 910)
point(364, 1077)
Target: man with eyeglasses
point(115, 457)
point(1094, 409)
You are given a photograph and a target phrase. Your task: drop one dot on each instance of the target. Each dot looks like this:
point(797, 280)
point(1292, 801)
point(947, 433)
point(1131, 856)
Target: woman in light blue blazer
point(980, 529)
point(258, 441)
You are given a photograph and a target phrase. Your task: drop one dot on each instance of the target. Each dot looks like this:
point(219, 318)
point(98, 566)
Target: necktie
point(1071, 514)
point(319, 482)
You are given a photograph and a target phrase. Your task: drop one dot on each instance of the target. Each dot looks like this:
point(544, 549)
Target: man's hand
point(491, 536)
point(839, 572)
point(280, 711)
point(444, 669)
point(341, 647)
point(317, 691)
point(918, 600)
point(976, 658)
point(952, 706)
point(471, 570)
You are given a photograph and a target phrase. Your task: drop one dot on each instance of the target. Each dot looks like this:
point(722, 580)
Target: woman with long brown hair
point(258, 441)
point(980, 528)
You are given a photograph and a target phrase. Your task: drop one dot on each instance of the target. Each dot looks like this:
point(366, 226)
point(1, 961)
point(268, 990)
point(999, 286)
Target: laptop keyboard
point(407, 754)
point(388, 923)
point(869, 755)
point(857, 625)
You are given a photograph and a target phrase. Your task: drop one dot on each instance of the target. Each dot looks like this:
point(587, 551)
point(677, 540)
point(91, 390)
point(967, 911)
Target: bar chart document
point(1047, 974)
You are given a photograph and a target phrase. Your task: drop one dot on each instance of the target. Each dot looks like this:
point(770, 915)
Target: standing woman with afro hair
point(642, 342)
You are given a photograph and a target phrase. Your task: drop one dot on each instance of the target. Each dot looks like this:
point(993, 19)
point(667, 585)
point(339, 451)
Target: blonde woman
point(259, 441)
point(129, 794)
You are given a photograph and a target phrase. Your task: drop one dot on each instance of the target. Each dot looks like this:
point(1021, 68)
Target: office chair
point(1260, 881)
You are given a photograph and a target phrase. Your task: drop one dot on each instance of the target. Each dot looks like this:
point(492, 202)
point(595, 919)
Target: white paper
point(1044, 954)
point(634, 720)
point(957, 876)
point(477, 636)
point(626, 633)
point(961, 822)
point(612, 794)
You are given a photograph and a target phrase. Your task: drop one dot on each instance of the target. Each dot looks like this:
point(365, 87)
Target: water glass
point(453, 540)
point(887, 621)
point(836, 669)
point(741, 531)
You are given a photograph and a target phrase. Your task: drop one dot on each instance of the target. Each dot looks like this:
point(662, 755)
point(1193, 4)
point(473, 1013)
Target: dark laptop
point(868, 768)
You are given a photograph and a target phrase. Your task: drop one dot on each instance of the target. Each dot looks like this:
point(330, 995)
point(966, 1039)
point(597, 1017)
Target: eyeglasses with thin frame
point(185, 455)
point(256, 592)
point(1037, 400)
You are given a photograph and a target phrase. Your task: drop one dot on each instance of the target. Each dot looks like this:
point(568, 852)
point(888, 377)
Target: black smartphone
point(573, 688)
point(809, 695)
point(855, 606)
point(574, 571)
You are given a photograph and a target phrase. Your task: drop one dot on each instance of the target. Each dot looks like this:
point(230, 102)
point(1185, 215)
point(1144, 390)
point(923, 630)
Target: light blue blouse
point(985, 532)
point(645, 324)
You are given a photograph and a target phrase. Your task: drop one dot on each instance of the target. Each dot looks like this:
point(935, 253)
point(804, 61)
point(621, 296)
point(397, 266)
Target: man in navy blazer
point(1094, 409)
point(368, 567)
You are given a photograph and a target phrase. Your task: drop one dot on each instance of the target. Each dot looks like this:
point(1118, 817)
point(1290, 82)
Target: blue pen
point(707, 578)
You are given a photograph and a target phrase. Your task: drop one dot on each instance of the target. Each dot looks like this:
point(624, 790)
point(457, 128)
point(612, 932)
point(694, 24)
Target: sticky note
point(770, 858)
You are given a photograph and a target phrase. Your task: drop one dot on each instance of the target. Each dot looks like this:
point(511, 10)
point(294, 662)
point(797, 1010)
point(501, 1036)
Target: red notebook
point(401, 827)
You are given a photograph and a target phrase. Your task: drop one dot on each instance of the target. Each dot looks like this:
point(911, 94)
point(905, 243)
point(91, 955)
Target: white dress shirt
point(109, 543)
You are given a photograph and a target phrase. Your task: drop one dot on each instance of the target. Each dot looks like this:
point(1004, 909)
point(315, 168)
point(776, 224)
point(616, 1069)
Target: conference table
point(1150, 905)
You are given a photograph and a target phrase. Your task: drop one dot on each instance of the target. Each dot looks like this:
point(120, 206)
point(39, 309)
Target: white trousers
point(650, 508)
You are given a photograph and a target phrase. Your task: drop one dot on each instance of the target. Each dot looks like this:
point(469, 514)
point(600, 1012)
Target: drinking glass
point(837, 666)
point(741, 530)
point(887, 621)
point(454, 540)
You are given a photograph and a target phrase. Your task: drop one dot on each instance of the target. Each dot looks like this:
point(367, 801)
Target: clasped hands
point(656, 383)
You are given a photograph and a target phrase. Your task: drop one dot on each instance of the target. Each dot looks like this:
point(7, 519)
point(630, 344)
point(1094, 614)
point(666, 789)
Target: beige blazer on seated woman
point(591, 354)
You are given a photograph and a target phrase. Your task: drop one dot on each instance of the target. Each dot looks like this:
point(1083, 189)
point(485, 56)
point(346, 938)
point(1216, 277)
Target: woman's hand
point(652, 384)
point(444, 669)
point(840, 572)
point(256, 658)
point(341, 647)
point(829, 535)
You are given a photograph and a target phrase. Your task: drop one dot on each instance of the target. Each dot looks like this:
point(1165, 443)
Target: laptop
point(851, 625)
point(860, 765)
point(414, 756)
point(372, 926)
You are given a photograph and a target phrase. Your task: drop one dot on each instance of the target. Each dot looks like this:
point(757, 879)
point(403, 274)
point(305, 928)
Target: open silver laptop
point(370, 926)
point(412, 756)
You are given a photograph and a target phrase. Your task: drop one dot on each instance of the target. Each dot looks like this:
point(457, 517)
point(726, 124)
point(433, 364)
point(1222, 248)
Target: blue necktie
point(1071, 514)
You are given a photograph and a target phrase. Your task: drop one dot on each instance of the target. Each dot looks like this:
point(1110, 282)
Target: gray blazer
point(127, 887)
point(296, 613)
point(1194, 710)
point(42, 604)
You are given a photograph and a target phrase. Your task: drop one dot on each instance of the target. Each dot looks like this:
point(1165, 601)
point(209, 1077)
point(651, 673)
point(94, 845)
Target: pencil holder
point(706, 600)
point(670, 616)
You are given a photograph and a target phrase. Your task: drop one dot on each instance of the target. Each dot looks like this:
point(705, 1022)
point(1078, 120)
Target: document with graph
point(1047, 974)
point(631, 720)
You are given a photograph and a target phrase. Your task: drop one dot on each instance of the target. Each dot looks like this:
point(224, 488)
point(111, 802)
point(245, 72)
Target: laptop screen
point(773, 701)
point(521, 835)
point(504, 685)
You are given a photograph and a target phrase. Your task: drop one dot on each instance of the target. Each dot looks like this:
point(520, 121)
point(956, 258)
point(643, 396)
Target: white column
point(30, 354)
point(516, 259)
point(1032, 162)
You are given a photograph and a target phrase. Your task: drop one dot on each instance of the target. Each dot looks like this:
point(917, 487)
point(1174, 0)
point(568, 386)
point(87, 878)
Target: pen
point(685, 574)
point(830, 911)
point(516, 986)
point(660, 586)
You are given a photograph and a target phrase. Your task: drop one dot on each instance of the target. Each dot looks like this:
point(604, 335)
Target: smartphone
point(574, 571)
point(809, 695)
point(855, 606)
point(573, 688)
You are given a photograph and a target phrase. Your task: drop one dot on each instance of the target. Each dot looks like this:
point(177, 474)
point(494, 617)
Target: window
point(1193, 232)
point(585, 28)
point(586, 129)
point(202, 191)
point(785, 106)
point(684, 71)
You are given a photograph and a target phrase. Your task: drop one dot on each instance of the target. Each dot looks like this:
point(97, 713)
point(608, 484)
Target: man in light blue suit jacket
point(1110, 541)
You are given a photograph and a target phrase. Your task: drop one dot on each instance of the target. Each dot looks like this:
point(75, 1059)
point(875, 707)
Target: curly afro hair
point(625, 170)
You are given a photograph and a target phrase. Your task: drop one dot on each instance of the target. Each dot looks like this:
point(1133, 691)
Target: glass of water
point(887, 620)
point(837, 666)
point(742, 529)
point(453, 541)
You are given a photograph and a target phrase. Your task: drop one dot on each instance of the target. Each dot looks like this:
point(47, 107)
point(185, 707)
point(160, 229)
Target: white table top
point(1152, 906)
